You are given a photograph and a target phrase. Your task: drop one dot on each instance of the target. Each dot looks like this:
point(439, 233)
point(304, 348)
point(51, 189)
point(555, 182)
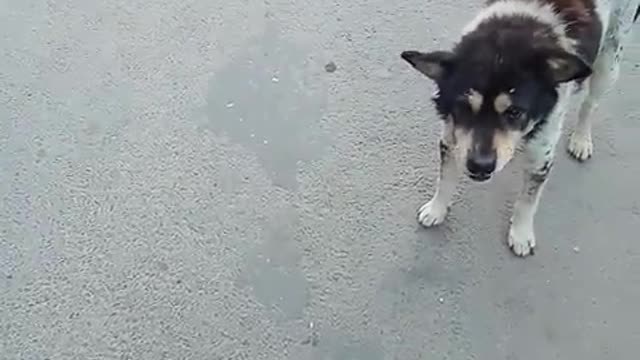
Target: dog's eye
point(513, 113)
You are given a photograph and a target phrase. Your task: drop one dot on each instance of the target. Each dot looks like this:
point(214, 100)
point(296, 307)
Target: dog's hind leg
point(434, 211)
point(605, 73)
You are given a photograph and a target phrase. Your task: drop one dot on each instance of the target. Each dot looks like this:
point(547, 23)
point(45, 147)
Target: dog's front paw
point(522, 240)
point(432, 213)
point(580, 146)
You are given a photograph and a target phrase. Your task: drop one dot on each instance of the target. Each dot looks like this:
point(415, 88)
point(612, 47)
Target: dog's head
point(496, 87)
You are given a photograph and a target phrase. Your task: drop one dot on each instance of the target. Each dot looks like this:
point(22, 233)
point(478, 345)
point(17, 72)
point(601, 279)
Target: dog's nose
point(481, 166)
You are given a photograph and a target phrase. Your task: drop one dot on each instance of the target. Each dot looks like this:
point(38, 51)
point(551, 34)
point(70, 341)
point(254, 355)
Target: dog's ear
point(434, 64)
point(565, 66)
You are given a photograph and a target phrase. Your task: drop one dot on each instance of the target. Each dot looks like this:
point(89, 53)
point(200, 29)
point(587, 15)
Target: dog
point(508, 82)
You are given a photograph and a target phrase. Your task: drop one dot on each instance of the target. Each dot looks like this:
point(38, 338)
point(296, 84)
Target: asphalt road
point(190, 180)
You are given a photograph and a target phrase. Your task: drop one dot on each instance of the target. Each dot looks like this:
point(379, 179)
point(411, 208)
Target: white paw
point(522, 240)
point(580, 146)
point(432, 213)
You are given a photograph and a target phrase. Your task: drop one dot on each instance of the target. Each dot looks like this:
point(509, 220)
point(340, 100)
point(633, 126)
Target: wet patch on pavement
point(271, 99)
point(272, 270)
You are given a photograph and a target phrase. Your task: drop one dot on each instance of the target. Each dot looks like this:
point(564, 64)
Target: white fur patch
point(521, 239)
point(475, 100)
point(505, 143)
point(463, 139)
point(433, 212)
point(542, 12)
point(580, 145)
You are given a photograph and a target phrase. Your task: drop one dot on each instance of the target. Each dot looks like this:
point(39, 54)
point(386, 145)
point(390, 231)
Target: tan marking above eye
point(502, 102)
point(475, 100)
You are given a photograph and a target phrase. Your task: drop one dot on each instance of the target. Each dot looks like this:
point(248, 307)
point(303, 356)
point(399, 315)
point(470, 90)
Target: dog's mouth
point(479, 177)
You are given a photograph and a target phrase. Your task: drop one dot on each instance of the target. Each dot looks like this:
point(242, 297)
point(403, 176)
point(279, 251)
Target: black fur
point(511, 54)
point(538, 177)
point(444, 150)
point(500, 55)
point(583, 25)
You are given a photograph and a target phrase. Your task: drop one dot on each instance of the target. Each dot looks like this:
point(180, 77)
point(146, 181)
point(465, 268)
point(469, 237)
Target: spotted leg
point(522, 239)
point(539, 153)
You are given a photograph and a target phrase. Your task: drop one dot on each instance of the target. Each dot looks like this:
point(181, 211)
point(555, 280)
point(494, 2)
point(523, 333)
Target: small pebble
point(576, 249)
point(275, 79)
point(441, 300)
point(330, 67)
point(230, 104)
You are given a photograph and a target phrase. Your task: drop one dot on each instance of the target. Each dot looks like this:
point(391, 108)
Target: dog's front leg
point(540, 151)
point(434, 211)
point(540, 161)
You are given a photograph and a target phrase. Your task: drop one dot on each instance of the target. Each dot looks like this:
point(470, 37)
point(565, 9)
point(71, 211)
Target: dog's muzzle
point(481, 167)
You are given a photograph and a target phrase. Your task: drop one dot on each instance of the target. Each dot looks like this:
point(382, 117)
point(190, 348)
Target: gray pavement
point(186, 180)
